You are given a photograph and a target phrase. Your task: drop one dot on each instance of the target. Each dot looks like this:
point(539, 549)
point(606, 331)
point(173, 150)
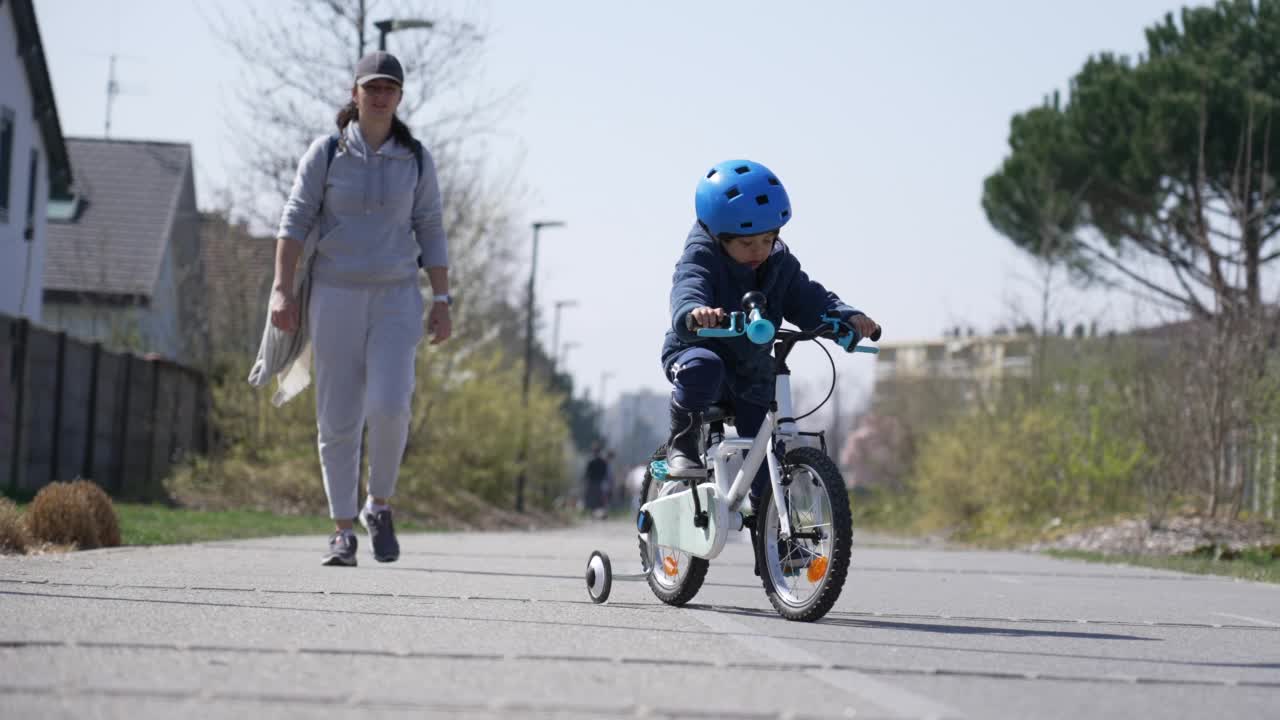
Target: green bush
point(461, 459)
point(1069, 450)
point(468, 432)
point(1148, 424)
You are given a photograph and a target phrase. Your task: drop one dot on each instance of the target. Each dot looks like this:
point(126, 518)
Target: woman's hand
point(284, 310)
point(439, 323)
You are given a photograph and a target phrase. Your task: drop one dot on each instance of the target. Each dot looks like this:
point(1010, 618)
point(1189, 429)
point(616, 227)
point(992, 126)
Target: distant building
point(123, 264)
point(635, 424)
point(33, 160)
point(981, 359)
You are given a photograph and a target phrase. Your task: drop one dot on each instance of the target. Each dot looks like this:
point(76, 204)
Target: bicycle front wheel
point(803, 575)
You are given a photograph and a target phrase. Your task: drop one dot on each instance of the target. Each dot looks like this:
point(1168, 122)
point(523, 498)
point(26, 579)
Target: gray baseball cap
point(379, 64)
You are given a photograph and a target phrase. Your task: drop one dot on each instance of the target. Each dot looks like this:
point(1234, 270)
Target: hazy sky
point(882, 120)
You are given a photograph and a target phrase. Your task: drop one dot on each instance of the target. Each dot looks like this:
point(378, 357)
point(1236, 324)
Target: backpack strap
point(330, 149)
point(309, 243)
point(417, 156)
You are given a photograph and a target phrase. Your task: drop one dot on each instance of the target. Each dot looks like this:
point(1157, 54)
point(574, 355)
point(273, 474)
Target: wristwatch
point(446, 298)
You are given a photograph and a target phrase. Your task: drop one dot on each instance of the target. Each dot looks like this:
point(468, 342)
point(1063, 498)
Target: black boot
point(684, 457)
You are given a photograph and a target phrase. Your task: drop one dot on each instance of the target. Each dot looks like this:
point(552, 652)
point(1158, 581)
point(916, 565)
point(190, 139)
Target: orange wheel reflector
point(817, 569)
point(670, 566)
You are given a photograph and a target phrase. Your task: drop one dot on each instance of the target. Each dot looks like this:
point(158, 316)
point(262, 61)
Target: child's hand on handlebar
point(705, 317)
point(865, 326)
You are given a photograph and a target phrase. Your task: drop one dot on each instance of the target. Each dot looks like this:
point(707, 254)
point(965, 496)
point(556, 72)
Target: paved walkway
point(499, 625)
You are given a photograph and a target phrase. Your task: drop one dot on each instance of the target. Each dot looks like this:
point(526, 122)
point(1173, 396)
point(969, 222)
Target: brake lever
point(850, 337)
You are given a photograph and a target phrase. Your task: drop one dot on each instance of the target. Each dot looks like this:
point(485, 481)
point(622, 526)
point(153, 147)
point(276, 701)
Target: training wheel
point(599, 577)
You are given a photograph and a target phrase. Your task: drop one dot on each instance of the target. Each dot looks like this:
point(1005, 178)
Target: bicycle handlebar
point(760, 330)
point(836, 329)
point(753, 324)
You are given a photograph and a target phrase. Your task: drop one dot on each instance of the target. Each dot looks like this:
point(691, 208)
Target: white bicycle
point(803, 531)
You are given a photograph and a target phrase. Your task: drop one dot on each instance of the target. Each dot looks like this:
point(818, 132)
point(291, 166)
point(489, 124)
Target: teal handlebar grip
point(731, 326)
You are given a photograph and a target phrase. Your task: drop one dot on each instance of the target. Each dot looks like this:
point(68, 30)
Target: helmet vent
point(711, 173)
point(762, 199)
point(785, 213)
point(745, 226)
point(773, 180)
point(742, 169)
point(732, 192)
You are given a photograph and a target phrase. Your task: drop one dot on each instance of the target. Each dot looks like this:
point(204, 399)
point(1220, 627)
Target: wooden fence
point(72, 409)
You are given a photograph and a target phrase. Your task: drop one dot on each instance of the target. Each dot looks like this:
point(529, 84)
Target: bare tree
point(298, 58)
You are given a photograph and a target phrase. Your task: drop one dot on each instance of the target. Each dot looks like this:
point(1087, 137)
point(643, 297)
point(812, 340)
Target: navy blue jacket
point(706, 276)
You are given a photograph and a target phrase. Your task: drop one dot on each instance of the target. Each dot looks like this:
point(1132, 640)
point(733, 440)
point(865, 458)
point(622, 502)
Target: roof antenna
point(113, 89)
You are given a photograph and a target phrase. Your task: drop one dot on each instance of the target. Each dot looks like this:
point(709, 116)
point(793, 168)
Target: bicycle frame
point(757, 452)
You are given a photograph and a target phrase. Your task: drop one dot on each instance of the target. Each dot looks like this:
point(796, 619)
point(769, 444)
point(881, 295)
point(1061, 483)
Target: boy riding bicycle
point(734, 248)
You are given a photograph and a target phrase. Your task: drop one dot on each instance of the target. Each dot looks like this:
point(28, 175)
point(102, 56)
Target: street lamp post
point(389, 26)
point(529, 310)
point(555, 335)
point(563, 355)
point(604, 382)
point(528, 359)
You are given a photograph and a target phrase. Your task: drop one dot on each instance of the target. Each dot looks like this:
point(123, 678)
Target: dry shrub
point(288, 486)
point(104, 513)
point(63, 514)
point(14, 537)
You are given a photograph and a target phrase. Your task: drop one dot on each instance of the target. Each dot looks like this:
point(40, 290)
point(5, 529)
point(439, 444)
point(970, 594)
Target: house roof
point(127, 194)
point(45, 110)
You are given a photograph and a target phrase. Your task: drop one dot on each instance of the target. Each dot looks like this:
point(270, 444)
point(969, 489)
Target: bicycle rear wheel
point(674, 576)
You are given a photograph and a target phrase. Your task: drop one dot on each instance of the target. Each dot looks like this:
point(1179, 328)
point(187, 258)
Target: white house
point(34, 164)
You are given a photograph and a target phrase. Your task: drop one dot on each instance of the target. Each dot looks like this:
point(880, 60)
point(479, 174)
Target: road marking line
point(1246, 618)
point(893, 699)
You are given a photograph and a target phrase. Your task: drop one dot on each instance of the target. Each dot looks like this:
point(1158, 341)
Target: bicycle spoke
point(808, 511)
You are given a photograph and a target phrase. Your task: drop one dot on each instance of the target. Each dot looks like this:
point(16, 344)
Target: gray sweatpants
point(364, 340)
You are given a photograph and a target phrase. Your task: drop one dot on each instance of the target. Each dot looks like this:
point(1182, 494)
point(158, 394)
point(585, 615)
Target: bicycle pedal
point(658, 469)
point(686, 474)
point(661, 471)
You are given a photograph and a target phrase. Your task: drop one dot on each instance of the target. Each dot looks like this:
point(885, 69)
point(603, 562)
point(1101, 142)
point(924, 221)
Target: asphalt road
point(499, 625)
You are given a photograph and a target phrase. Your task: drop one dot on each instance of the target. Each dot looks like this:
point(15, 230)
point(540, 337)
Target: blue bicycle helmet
point(740, 197)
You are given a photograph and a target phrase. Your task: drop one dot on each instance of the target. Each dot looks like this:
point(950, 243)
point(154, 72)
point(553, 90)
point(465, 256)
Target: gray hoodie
point(377, 217)
point(377, 214)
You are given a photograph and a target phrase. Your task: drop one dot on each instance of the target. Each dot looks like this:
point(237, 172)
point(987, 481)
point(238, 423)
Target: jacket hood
point(357, 146)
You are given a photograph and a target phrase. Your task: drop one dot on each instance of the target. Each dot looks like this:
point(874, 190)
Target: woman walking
point(370, 195)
